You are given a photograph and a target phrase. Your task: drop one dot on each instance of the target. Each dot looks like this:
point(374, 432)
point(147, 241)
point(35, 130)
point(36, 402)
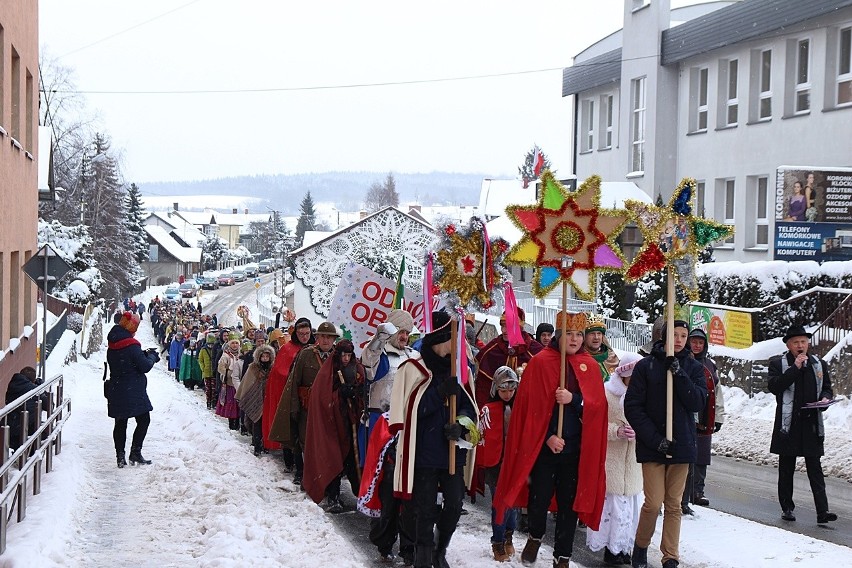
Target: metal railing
point(834, 328)
point(36, 447)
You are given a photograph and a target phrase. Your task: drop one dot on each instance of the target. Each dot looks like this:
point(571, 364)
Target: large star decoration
point(673, 237)
point(465, 270)
point(567, 224)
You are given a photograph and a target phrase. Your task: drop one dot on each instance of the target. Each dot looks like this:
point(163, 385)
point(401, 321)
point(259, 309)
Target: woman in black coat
point(128, 396)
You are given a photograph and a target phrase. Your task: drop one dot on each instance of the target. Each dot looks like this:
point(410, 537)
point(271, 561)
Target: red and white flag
point(538, 161)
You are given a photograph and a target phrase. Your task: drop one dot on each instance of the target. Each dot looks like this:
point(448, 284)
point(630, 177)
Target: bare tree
point(381, 195)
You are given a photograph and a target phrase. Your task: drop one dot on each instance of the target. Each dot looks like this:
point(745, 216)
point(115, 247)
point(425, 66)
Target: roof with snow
point(168, 242)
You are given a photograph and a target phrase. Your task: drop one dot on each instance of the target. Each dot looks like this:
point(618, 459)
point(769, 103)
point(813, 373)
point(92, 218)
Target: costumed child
point(494, 424)
point(190, 368)
point(230, 368)
point(623, 500)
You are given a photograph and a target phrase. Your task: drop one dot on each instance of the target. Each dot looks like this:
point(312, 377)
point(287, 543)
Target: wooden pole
point(670, 306)
point(453, 374)
point(562, 345)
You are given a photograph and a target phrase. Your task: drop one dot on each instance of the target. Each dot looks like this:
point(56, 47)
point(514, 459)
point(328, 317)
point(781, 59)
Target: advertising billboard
point(727, 327)
point(813, 213)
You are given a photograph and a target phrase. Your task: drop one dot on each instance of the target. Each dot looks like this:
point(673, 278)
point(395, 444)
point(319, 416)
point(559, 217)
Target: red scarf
point(122, 343)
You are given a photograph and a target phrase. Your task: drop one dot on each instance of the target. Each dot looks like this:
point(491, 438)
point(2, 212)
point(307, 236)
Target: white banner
point(363, 300)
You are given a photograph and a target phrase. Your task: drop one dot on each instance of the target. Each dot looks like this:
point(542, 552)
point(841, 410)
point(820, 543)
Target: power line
point(349, 85)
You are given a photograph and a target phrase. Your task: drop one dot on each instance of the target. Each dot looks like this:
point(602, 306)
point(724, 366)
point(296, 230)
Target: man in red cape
point(542, 468)
point(335, 407)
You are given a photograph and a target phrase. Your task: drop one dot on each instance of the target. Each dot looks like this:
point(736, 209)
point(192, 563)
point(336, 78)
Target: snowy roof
point(165, 240)
point(313, 237)
point(206, 217)
point(157, 218)
point(496, 194)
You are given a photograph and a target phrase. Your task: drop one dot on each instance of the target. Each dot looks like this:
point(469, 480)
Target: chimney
point(175, 205)
point(245, 211)
point(362, 214)
point(234, 211)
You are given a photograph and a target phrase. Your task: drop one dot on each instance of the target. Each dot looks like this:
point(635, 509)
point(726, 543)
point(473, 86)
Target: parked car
point(239, 276)
point(172, 293)
point(188, 289)
point(250, 269)
point(226, 279)
point(209, 283)
point(266, 266)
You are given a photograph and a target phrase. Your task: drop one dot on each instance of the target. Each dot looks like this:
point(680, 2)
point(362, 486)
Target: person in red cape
point(497, 353)
point(335, 407)
point(301, 337)
point(542, 466)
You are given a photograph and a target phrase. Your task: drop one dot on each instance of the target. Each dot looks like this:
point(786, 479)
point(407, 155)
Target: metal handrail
point(36, 447)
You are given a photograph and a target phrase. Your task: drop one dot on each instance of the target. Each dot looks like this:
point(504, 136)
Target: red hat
point(129, 321)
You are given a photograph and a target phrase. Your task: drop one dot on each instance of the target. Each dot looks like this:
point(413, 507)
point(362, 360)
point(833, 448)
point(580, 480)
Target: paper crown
point(595, 322)
point(573, 322)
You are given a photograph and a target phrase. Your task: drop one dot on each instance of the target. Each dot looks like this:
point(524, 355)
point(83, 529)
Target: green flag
point(400, 287)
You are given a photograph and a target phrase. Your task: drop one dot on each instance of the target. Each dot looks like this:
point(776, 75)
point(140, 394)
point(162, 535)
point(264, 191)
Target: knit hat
point(211, 338)
point(440, 329)
point(504, 378)
point(259, 334)
point(542, 328)
point(401, 320)
point(129, 321)
point(677, 324)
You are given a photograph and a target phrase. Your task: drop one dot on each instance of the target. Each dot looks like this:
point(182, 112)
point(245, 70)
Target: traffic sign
point(256, 285)
point(46, 268)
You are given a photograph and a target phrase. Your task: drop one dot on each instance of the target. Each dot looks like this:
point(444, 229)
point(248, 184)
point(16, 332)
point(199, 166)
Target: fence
point(37, 447)
point(55, 332)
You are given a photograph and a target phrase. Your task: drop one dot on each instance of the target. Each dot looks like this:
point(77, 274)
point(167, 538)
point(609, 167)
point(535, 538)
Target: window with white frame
point(606, 119)
point(844, 67)
point(723, 209)
point(765, 94)
point(701, 109)
point(637, 125)
point(803, 76)
point(731, 102)
point(761, 221)
point(588, 126)
point(699, 198)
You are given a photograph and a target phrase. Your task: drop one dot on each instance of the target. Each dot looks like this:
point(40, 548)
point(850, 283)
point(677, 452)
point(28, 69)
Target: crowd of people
point(553, 423)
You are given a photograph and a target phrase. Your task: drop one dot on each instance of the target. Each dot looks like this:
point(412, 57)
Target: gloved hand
point(347, 391)
point(449, 387)
point(453, 431)
point(672, 364)
point(153, 351)
point(717, 427)
point(386, 328)
point(663, 448)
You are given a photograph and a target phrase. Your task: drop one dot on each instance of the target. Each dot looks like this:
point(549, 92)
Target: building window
point(731, 88)
point(15, 87)
point(2, 78)
point(606, 112)
point(523, 275)
point(699, 198)
point(637, 126)
point(844, 68)
point(28, 116)
point(724, 203)
point(588, 126)
point(765, 96)
point(803, 77)
point(761, 237)
point(701, 118)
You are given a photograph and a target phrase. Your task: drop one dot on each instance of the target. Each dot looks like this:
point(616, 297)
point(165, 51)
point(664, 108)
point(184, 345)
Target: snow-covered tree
point(527, 170)
point(307, 218)
point(384, 262)
point(74, 245)
point(136, 223)
point(213, 251)
point(611, 300)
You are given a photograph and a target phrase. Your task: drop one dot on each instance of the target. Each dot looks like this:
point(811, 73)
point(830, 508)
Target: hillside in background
point(345, 189)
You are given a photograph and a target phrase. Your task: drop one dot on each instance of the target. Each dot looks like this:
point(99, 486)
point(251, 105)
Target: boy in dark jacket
point(665, 462)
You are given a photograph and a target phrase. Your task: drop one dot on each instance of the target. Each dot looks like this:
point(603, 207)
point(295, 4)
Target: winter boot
point(610, 558)
point(136, 457)
point(640, 557)
point(670, 563)
point(510, 546)
point(119, 456)
point(440, 558)
point(334, 505)
point(562, 562)
point(499, 550)
point(530, 552)
point(700, 499)
point(423, 556)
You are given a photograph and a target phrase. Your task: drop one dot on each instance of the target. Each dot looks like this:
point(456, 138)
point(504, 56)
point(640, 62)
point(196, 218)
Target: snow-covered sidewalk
point(206, 501)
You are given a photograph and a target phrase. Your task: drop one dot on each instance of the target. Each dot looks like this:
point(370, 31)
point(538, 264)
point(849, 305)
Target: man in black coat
point(128, 395)
point(797, 379)
point(665, 462)
point(19, 386)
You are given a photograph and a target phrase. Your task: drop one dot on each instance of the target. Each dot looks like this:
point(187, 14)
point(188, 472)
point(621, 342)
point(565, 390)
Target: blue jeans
point(510, 521)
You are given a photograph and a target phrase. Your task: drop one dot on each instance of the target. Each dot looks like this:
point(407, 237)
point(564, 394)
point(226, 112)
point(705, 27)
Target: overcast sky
point(478, 125)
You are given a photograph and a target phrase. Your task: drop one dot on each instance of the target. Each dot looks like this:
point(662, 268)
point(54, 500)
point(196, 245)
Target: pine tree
point(136, 223)
point(307, 218)
point(612, 301)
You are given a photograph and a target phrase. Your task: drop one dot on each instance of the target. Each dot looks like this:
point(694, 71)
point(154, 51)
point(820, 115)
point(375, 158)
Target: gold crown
point(573, 322)
point(595, 322)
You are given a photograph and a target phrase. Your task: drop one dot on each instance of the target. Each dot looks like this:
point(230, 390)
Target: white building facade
point(724, 92)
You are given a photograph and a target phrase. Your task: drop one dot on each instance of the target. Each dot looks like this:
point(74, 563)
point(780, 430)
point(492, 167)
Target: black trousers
point(427, 513)
point(257, 434)
point(119, 432)
point(351, 473)
point(554, 472)
point(396, 519)
point(786, 468)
